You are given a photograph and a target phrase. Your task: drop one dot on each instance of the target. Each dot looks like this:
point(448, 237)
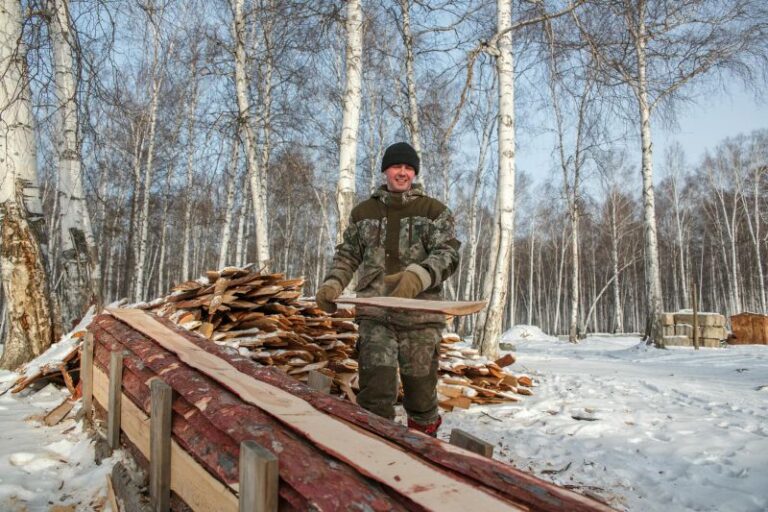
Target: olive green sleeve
point(443, 258)
point(348, 256)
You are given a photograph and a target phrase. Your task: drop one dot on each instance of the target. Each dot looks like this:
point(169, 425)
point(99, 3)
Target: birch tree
point(249, 136)
point(30, 326)
point(79, 283)
point(345, 189)
point(656, 48)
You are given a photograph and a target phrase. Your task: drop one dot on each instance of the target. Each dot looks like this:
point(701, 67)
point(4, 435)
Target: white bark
point(489, 330)
point(156, 84)
point(81, 273)
point(618, 311)
point(410, 79)
point(189, 183)
point(248, 135)
point(345, 190)
point(22, 247)
point(652, 271)
point(227, 228)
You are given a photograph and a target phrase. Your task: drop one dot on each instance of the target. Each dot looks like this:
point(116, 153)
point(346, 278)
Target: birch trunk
point(345, 190)
point(79, 256)
point(139, 291)
point(249, 139)
point(680, 242)
point(530, 273)
point(26, 294)
point(410, 79)
point(499, 271)
point(618, 320)
point(573, 327)
point(227, 228)
point(189, 185)
point(242, 217)
point(652, 272)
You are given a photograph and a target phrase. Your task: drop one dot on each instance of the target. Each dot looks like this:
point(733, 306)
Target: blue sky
point(701, 126)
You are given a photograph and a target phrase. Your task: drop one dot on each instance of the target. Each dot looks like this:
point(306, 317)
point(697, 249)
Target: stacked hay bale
point(677, 329)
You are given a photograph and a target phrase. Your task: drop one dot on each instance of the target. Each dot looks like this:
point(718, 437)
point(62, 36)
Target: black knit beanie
point(400, 153)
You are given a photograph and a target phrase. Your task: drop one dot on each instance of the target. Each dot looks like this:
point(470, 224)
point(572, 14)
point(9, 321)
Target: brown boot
point(430, 429)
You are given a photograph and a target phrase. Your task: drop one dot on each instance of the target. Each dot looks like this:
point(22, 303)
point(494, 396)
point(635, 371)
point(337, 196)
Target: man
point(403, 243)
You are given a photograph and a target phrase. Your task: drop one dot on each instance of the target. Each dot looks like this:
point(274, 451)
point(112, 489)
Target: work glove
point(409, 283)
point(328, 292)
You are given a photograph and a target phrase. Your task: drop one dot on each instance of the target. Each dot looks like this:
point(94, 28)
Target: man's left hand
point(408, 285)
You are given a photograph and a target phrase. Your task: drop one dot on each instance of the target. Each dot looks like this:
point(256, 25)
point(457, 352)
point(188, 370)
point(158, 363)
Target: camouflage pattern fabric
point(387, 233)
point(383, 349)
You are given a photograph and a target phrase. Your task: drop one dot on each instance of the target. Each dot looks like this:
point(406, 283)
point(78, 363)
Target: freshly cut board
point(447, 307)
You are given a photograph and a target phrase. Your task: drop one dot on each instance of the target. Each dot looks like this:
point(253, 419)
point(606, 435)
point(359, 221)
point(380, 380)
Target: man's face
point(399, 177)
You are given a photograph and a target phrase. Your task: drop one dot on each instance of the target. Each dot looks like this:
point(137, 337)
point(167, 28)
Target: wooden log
point(508, 481)
point(371, 456)
point(188, 479)
point(86, 377)
point(258, 478)
point(310, 478)
point(160, 446)
point(115, 394)
point(469, 442)
point(319, 381)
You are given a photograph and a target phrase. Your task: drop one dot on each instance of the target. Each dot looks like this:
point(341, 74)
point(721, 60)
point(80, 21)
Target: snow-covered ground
point(640, 428)
point(644, 429)
point(46, 468)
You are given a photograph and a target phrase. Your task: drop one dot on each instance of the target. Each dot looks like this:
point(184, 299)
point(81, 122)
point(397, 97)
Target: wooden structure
point(749, 328)
point(331, 454)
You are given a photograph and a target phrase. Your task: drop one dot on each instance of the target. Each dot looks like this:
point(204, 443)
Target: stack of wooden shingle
point(265, 318)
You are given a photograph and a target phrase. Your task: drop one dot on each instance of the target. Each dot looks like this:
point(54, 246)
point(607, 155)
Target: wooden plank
point(319, 381)
point(469, 442)
point(111, 495)
point(258, 478)
point(189, 479)
point(160, 446)
point(59, 412)
point(447, 307)
point(378, 459)
point(86, 376)
point(115, 395)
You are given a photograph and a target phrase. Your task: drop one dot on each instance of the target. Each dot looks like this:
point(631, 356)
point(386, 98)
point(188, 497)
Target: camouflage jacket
point(390, 232)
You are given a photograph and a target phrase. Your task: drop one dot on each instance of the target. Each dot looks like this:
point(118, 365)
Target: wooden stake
point(115, 393)
point(319, 381)
point(258, 478)
point(160, 446)
point(695, 306)
point(86, 376)
point(469, 442)
point(111, 495)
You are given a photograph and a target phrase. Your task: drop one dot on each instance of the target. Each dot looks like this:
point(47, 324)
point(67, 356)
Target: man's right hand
point(328, 292)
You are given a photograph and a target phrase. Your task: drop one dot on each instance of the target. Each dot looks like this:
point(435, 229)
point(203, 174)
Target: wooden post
point(695, 306)
point(86, 376)
point(160, 446)
point(115, 394)
point(469, 442)
point(258, 478)
point(319, 381)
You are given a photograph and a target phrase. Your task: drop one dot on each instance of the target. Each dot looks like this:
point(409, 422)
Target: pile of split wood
point(265, 317)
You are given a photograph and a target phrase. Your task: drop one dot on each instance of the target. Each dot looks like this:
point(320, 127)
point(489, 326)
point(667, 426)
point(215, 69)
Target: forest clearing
point(383, 254)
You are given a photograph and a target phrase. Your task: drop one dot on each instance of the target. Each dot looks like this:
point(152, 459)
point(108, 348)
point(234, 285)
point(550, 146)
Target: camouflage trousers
point(383, 348)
